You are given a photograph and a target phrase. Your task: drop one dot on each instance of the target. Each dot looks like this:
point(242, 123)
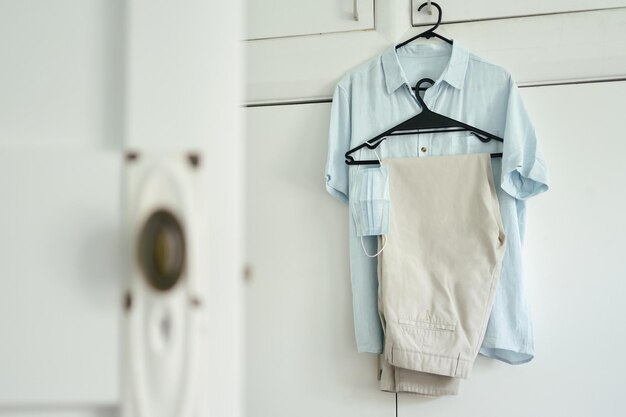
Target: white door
point(179, 100)
point(463, 11)
point(541, 49)
point(282, 18)
point(61, 129)
point(82, 82)
point(301, 354)
point(574, 270)
point(301, 358)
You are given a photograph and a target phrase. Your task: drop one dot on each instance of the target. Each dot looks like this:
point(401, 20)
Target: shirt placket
point(424, 139)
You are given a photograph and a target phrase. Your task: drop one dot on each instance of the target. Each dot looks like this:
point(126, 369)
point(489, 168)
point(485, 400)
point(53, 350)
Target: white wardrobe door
point(301, 353)
point(61, 120)
point(540, 49)
point(301, 357)
point(59, 290)
point(279, 18)
point(574, 259)
point(61, 78)
point(460, 10)
point(65, 411)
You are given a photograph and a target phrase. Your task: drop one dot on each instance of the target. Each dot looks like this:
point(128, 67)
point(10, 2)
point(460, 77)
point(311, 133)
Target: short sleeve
point(338, 144)
point(524, 170)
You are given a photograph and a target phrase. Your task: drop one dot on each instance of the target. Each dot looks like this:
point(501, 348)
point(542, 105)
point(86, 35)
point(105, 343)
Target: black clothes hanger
point(428, 33)
point(426, 121)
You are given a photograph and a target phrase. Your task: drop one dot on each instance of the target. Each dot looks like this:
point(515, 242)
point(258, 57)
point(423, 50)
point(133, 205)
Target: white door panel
point(61, 81)
point(59, 290)
point(574, 271)
point(459, 10)
point(63, 411)
point(278, 18)
point(535, 50)
point(184, 87)
point(301, 355)
point(300, 335)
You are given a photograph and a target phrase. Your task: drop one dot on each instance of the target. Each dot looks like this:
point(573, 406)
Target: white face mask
point(369, 203)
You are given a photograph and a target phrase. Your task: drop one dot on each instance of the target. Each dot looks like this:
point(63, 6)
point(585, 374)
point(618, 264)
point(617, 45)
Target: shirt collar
point(453, 74)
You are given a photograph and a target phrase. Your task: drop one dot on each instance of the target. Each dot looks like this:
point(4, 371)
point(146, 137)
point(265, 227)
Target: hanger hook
point(439, 16)
point(417, 91)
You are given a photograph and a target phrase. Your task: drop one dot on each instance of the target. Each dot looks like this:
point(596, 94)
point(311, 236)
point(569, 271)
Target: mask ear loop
point(383, 236)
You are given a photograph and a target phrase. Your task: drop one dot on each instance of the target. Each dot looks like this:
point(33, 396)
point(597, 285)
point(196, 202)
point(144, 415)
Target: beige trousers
point(438, 271)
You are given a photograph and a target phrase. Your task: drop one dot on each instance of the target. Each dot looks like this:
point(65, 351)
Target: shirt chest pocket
point(475, 145)
point(457, 143)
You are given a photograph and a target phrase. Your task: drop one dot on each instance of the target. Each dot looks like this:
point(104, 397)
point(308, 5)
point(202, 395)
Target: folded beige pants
point(438, 271)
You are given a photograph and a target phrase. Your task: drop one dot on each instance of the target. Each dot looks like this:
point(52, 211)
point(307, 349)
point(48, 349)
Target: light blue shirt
point(376, 96)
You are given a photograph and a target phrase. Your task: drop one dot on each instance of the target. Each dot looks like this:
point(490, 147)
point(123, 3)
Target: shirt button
point(423, 149)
